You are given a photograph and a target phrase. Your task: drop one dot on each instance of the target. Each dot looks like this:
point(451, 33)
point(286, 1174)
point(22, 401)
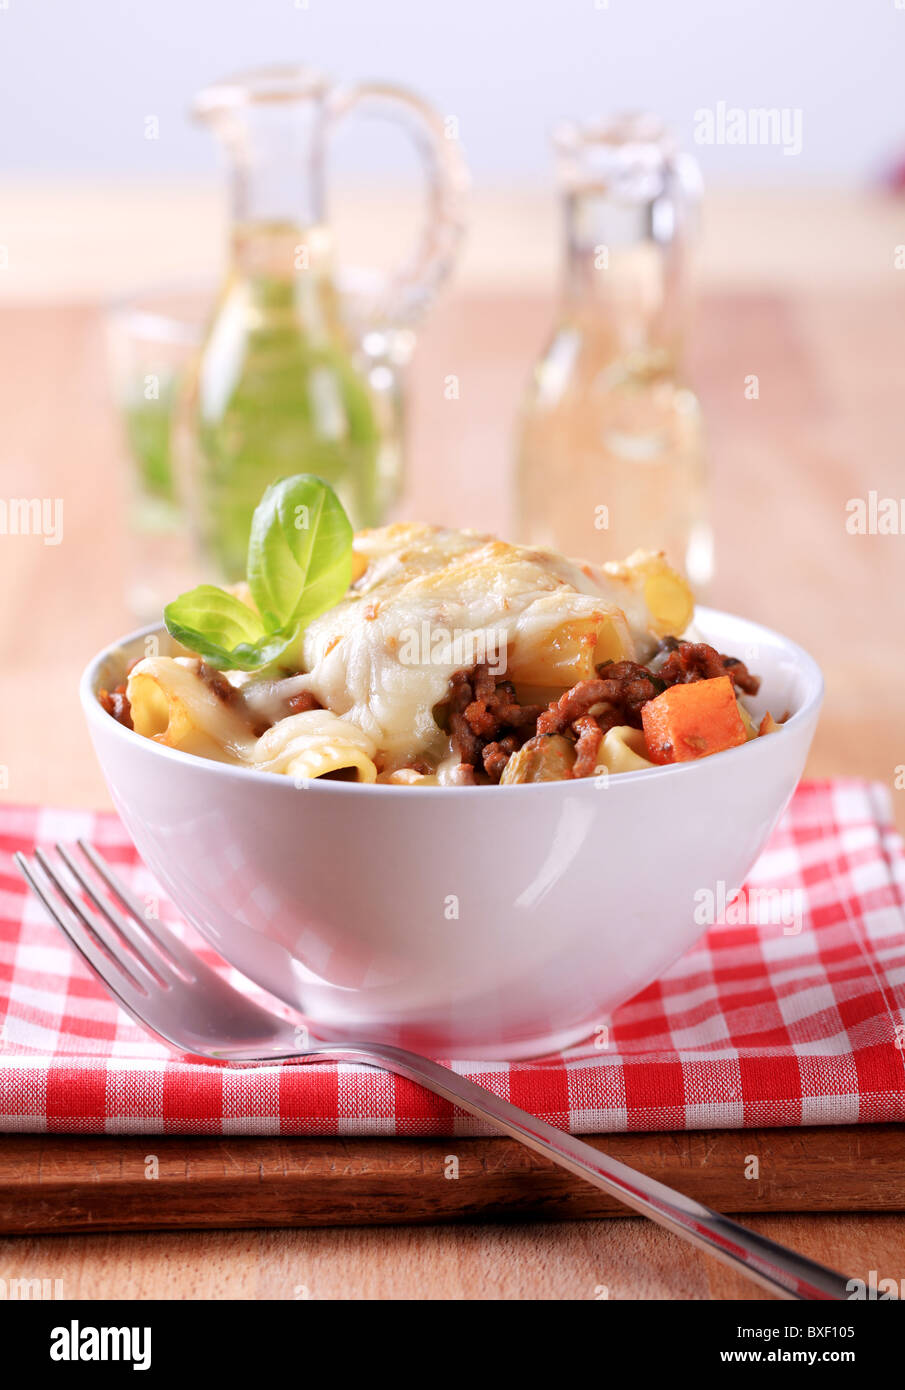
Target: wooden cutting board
point(60, 1183)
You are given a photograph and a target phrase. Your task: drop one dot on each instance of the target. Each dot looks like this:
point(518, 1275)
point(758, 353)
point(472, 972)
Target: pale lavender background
point(78, 77)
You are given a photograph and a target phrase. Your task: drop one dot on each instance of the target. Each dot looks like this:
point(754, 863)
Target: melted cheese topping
point(431, 602)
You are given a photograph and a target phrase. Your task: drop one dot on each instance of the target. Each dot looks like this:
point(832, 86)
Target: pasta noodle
point(172, 704)
point(650, 592)
point(623, 750)
point(408, 777)
point(314, 744)
point(547, 651)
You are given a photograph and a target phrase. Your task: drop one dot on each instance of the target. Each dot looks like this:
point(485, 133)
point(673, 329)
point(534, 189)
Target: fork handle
point(782, 1271)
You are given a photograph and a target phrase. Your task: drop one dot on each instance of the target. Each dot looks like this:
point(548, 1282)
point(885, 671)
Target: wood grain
point(628, 1259)
point(57, 1183)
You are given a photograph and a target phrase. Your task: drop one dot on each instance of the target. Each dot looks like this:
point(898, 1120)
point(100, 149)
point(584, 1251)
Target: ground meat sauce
point(497, 754)
point(231, 695)
point(695, 661)
point(495, 707)
point(303, 702)
point(615, 697)
point(116, 702)
point(590, 736)
point(217, 682)
point(487, 724)
point(465, 744)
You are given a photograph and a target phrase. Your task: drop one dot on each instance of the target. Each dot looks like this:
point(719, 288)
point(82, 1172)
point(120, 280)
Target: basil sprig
point(299, 565)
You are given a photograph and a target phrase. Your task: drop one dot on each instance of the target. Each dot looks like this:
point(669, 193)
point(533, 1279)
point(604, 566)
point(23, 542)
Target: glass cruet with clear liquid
point(292, 376)
point(610, 450)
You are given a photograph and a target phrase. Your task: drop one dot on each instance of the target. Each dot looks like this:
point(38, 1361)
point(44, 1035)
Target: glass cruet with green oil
point(292, 376)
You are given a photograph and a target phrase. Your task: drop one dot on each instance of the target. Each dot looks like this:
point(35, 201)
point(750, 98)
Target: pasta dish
point(419, 656)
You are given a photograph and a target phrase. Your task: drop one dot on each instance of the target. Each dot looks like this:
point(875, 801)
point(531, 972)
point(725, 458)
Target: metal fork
point(168, 989)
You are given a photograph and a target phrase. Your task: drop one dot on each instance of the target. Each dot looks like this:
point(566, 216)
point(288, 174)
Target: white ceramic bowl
point(458, 921)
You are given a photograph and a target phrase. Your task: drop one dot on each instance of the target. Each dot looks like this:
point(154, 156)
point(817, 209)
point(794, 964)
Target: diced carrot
point(692, 721)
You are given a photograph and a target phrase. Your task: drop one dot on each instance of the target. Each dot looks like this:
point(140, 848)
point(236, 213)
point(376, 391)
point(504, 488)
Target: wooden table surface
point(827, 427)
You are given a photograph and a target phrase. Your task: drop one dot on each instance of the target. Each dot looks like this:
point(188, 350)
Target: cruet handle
point(404, 293)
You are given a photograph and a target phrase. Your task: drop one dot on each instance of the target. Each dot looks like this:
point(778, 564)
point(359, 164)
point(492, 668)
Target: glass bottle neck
point(271, 190)
point(623, 275)
point(276, 191)
point(279, 251)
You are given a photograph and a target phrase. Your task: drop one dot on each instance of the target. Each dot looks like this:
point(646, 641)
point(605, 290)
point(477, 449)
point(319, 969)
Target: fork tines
point(104, 921)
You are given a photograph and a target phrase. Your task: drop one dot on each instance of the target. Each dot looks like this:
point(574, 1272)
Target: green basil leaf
point(222, 629)
point(300, 551)
point(299, 565)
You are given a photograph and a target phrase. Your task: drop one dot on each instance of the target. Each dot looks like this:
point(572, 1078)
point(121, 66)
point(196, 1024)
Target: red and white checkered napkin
point(798, 1019)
